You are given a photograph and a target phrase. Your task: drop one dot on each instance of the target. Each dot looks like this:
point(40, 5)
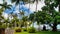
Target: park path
point(9, 31)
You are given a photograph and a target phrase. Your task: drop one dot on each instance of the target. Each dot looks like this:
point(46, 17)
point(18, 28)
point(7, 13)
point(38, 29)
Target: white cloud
point(56, 9)
point(5, 15)
point(33, 6)
point(1, 1)
point(8, 1)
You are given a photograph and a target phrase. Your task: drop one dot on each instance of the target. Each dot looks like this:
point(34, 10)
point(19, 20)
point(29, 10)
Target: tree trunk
point(36, 4)
point(29, 3)
point(20, 25)
point(19, 6)
point(54, 27)
point(15, 23)
point(39, 26)
point(59, 7)
point(33, 24)
point(44, 28)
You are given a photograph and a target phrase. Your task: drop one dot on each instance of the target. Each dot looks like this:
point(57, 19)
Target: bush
point(31, 30)
point(3, 26)
point(24, 29)
point(18, 30)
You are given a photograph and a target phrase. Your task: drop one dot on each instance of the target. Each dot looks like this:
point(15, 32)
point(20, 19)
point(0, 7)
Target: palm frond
point(13, 1)
point(5, 6)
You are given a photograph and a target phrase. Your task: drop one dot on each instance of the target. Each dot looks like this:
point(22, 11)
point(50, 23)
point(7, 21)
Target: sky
point(23, 7)
point(32, 6)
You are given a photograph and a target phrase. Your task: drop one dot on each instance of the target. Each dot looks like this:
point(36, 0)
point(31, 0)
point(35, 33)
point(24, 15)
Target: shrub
point(3, 26)
point(18, 30)
point(24, 29)
point(31, 30)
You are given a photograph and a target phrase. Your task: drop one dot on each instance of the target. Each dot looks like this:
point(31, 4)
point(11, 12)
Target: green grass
point(21, 33)
point(45, 32)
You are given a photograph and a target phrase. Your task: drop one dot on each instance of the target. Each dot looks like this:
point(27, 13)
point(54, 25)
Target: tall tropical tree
point(5, 5)
point(36, 3)
point(18, 2)
point(43, 18)
point(49, 8)
point(21, 13)
point(56, 3)
point(32, 18)
point(25, 19)
point(14, 20)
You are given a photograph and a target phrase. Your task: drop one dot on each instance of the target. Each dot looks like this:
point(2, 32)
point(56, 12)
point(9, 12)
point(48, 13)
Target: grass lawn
point(45, 32)
point(21, 33)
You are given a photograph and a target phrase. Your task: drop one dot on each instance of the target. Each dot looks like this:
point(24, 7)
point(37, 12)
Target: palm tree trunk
point(32, 23)
point(19, 24)
point(15, 23)
point(19, 6)
point(36, 4)
point(3, 1)
point(59, 7)
point(24, 24)
point(19, 11)
point(29, 3)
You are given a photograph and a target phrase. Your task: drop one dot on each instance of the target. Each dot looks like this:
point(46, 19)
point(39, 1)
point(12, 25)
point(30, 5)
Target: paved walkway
point(9, 31)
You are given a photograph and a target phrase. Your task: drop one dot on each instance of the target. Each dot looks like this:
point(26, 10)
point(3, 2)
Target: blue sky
point(15, 9)
point(25, 8)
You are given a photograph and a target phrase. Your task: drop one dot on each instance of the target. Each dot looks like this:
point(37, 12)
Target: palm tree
point(13, 22)
point(1, 17)
point(15, 17)
point(1, 23)
point(18, 2)
point(21, 13)
point(29, 3)
point(36, 3)
point(5, 5)
point(25, 19)
point(32, 18)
